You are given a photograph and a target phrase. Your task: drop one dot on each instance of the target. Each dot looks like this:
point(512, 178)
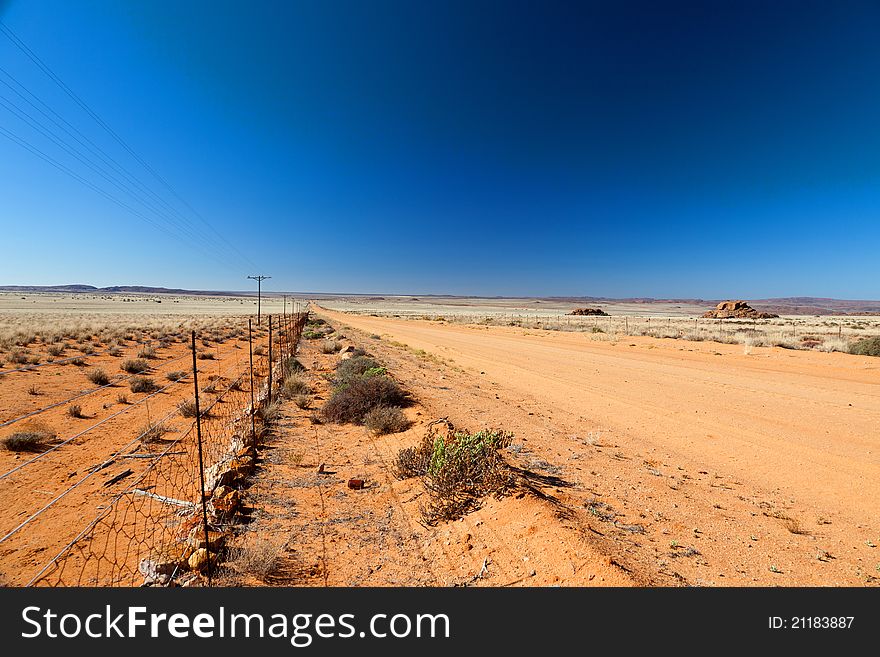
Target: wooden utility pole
point(259, 279)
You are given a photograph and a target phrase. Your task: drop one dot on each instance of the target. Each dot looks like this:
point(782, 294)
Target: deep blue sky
point(712, 149)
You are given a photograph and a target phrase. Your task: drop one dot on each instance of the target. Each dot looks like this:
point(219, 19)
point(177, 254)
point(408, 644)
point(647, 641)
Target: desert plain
point(657, 447)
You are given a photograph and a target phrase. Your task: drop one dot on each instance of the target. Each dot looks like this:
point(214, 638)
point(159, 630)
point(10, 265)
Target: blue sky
point(711, 149)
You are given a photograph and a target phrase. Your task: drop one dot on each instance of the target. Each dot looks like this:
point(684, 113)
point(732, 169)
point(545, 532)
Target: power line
point(126, 177)
point(259, 279)
point(16, 40)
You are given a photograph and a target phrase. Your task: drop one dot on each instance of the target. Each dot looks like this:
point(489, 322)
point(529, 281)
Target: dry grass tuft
point(33, 436)
point(143, 384)
point(98, 376)
point(386, 419)
point(135, 366)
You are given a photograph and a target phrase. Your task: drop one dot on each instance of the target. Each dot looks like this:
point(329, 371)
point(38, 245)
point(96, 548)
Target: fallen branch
point(162, 498)
point(121, 475)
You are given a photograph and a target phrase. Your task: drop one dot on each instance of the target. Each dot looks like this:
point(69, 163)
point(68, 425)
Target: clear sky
point(706, 149)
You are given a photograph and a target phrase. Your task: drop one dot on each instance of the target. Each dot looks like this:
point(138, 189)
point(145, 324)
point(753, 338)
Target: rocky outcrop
point(736, 310)
point(589, 311)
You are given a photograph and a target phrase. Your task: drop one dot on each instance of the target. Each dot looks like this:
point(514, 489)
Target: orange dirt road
point(774, 454)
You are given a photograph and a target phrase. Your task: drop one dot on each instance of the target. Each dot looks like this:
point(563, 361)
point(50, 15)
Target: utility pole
point(259, 279)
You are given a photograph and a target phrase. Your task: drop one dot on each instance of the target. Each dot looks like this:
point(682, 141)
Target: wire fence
point(165, 513)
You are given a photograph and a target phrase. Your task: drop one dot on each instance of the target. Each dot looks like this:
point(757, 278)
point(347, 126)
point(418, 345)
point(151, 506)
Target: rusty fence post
point(253, 405)
point(201, 459)
point(269, 389)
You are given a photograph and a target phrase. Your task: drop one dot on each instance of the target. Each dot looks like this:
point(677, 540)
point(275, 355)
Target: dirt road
point(759, 467)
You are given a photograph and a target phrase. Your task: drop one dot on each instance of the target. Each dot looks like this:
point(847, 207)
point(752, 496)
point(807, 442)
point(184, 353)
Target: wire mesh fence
point(166, 510)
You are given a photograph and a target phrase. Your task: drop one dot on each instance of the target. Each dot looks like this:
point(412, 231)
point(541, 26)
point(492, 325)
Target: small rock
point(356, 484)
point(199, 559)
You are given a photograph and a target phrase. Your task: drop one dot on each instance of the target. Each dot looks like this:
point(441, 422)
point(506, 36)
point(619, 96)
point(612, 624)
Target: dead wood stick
point(162, 498)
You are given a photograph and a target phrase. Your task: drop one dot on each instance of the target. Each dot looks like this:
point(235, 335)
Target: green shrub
point(355, 368)
point(866, 347)
point(457, 468)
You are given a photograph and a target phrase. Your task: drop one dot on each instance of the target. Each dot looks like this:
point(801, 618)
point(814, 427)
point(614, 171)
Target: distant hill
point(779, 305)
point(123, 289)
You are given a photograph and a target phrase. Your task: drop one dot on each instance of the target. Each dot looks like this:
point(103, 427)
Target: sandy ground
point(31, 483)
point(688, 462)
point(326, 534)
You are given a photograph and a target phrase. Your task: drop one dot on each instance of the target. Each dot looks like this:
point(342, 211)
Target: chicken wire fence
point(166, 522)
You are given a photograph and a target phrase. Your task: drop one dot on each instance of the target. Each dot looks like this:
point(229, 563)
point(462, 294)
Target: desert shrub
point(330, 347)
point(269, 413)
point(147, 351)
point(55, 350)
point(258, 558)
point(79, 361)
point(295, 385)
point(312, 335)
point(75, 410)
point(302, 401)
point(34, 391)
point(352, 402)
point(461, 471)
point(866, 347)
point(114, 351)
point(187, 408)
point(458, 469)
point(207, 355)
point(32, 437)
point(354, 368)
point(386, 419)
point(291, 365)
point(259, 350)
point(142, 384)
point(135, 366)
point(834, 344)
point(152, 433)
point(121, 398)
point(98, 376)
point(413, 461)
point(19, 356)
point(87, 348)
point(176, 375)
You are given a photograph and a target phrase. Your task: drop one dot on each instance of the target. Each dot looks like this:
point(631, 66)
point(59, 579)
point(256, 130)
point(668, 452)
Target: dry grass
point(258, 558)
point(142, 384)
point(33, 436)
point(135, 366)
point(176, 375)
point(75, 411)
point(330, 347)
point(295, 385)
point(386, 419)
point(152, 433)
point(98, 376)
